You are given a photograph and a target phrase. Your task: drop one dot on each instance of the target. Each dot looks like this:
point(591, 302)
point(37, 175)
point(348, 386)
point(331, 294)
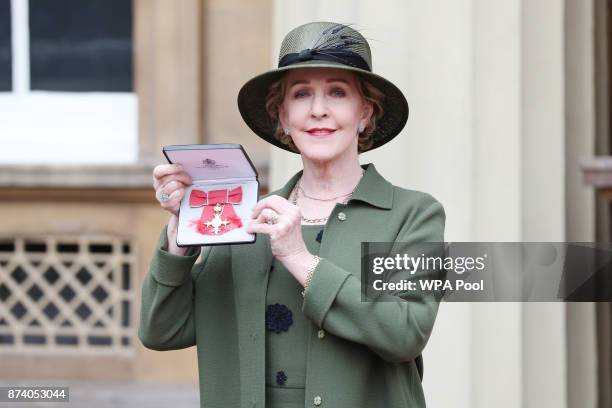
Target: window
point(66, 82)
point(78, 45)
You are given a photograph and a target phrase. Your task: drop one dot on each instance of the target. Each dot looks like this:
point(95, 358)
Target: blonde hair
point(369, 93)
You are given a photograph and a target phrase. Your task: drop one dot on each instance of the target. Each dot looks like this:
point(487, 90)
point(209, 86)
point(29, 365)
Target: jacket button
point(317, 400)
point(341, 216)
point(321, 334)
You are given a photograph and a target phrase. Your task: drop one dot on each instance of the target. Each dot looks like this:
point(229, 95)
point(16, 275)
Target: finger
point(256, 227)
point(174, 198)
point(177, 196)
point(275, 202)
point(268, 214)
point(182, 177)
point(171, 186)
point(163, 170)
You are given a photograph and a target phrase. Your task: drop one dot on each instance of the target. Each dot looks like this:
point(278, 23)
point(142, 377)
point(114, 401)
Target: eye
point(301, 94)
point(338, 92)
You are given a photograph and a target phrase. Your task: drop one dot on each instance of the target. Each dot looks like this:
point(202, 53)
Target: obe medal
point(216, 221)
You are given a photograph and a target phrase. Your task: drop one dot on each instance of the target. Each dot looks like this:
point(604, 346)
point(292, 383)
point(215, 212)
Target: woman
point(281, 323)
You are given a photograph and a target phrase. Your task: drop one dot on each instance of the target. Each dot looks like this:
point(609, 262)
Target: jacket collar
point(372, 188)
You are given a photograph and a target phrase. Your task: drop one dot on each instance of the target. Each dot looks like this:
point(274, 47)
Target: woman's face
point(323, 110)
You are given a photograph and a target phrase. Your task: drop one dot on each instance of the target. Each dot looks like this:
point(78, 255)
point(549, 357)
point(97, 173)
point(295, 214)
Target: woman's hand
point(281, 220)
point(169, 182)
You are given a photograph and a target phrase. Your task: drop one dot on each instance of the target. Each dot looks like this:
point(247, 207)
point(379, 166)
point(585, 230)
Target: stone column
point(168, 74)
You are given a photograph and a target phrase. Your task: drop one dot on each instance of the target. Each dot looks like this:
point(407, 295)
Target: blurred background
point(509, 128)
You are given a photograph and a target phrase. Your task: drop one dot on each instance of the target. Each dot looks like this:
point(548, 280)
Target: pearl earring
point(286, 130)
point(361, 129)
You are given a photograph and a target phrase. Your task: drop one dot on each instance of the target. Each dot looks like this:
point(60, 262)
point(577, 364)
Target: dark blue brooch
point(281, 378)
point(319, 236)
point(278, 318)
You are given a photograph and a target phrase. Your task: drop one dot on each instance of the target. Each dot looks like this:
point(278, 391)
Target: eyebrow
point(301, 81)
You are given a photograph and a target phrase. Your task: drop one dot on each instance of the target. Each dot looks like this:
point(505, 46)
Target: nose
point(318, 108)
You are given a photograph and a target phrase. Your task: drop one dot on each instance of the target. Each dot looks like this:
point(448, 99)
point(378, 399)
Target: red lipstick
point(321, 131)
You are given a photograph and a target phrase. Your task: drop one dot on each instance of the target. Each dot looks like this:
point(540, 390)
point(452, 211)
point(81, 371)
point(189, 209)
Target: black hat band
point(343, 56)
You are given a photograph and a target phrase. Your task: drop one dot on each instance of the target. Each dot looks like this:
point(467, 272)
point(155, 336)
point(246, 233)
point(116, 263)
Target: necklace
point(323, 219)
point(321, 199)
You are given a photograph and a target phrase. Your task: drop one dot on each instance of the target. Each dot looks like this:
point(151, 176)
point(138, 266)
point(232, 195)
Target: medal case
point(217, 207)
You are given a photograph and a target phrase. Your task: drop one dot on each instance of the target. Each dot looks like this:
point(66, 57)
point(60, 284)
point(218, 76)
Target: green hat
point(326, 45)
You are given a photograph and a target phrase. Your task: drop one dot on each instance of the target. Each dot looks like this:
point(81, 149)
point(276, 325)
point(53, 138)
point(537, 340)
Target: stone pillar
point(168, 74)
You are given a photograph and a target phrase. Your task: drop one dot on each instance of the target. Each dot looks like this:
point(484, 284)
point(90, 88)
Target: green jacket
point(360, 354)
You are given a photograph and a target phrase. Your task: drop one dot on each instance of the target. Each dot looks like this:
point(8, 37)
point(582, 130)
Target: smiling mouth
point(321, 132)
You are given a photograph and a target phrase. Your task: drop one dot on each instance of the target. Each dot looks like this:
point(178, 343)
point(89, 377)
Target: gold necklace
point(322, 199)
point(324, 219)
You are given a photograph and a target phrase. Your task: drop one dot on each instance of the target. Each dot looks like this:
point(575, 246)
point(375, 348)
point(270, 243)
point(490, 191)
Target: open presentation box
point(217, 207)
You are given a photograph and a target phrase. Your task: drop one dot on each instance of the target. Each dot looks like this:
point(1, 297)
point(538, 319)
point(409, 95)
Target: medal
point(213, 221)
point(216, 222)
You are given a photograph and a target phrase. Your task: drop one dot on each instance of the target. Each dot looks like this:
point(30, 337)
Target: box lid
point(212, 161)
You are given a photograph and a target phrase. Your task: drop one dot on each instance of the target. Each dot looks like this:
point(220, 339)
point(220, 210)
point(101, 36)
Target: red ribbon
point(208, 199)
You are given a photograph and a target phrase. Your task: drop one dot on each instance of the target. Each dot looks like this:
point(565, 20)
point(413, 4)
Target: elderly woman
point(281, 322)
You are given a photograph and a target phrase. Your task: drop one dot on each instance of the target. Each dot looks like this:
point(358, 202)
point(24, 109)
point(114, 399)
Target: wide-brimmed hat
point(322, 45)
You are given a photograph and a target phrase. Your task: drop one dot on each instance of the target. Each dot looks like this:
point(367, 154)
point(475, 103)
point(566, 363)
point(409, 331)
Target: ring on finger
point(272, 219)
point(164, 197)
